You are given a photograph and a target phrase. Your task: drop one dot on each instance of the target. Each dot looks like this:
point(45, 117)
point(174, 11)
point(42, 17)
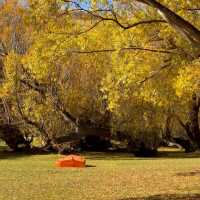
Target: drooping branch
point(101, 19)
point(34, 85)
point(67, 116)
point(35, 124)
point(38, 125)
point(155, 73)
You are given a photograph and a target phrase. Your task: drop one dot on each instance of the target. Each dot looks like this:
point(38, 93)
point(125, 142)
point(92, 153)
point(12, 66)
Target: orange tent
point(71, 161)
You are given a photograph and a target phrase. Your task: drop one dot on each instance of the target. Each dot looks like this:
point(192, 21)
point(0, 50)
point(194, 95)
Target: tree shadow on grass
point(192, 173)
point(7, 154)
point(108, 156)
point(129, 156)
point(10, 155)
point(90, 166)
point(178, 154)
point(167, 197)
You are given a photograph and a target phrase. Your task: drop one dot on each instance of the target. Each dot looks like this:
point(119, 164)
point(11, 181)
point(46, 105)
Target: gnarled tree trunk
point(191, 127)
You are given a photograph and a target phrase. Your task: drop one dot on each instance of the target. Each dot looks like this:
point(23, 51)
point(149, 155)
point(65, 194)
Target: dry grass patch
point(110, 177)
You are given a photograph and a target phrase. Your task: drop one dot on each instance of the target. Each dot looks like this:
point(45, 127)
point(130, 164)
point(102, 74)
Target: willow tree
point(13, 37)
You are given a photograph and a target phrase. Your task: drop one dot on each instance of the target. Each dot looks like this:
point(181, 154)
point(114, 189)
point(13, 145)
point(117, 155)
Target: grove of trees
point(123, 70)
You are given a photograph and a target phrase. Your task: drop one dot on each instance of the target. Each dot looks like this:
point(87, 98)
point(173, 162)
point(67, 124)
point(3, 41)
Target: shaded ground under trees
point(168, 197)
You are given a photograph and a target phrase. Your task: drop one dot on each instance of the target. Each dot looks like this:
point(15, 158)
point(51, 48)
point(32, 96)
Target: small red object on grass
point(71, 161)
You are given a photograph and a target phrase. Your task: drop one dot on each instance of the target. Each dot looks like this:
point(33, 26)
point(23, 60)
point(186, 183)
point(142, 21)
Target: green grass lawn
point(109, 177)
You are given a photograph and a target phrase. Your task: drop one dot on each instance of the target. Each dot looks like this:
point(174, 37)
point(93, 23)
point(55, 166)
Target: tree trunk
point(168, 137)
point(14, 138)
point(192, 125)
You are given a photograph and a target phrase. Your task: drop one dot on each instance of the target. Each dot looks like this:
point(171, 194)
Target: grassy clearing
point(109, 177)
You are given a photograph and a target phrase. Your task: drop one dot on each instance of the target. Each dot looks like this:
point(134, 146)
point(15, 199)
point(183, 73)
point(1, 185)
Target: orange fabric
point(71, 161)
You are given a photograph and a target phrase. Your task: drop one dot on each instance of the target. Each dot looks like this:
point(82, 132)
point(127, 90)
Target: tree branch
point(58, 105)
point(153, 74)
point(115, 19)
point(125, 49)
point(185, 28)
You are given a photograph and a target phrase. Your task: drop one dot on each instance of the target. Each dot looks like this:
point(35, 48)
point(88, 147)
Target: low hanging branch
point(34, 85)
point(64, 113)
point(37, 125)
